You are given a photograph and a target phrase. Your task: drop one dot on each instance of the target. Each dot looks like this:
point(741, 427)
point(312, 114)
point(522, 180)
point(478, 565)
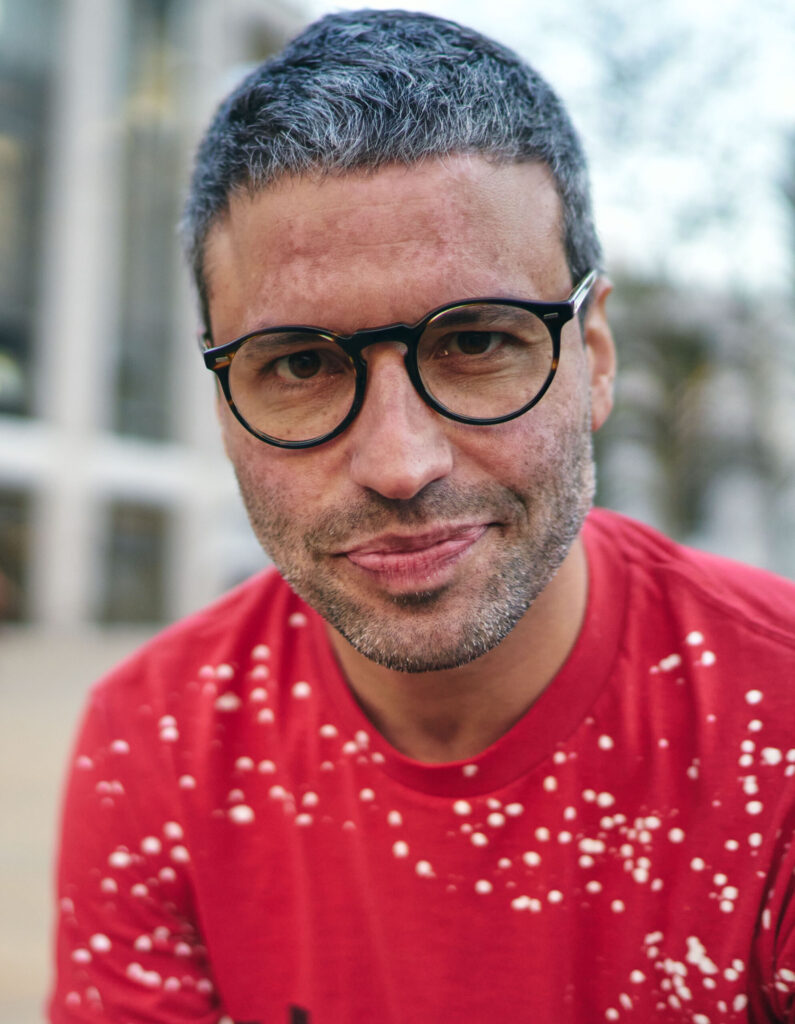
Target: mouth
point(416, 560)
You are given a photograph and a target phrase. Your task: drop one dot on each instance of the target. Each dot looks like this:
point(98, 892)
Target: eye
point(300, 365)
point(310, 364)
point(473, 343)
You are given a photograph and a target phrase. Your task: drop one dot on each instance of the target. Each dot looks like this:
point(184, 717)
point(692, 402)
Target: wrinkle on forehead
point(463, 219)
point(318, 225)
point(333, 222)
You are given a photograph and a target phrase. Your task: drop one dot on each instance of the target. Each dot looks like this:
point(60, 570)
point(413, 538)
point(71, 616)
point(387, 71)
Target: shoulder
point(749, 601)
point(255, 615)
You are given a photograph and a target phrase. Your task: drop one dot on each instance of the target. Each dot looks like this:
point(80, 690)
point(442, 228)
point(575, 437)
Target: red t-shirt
point(239, 843)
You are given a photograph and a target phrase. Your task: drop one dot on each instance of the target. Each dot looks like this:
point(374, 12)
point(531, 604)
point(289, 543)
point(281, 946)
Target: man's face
point(421, 540)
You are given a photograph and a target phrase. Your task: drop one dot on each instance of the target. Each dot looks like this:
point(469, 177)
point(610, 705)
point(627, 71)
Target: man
point(489, 756)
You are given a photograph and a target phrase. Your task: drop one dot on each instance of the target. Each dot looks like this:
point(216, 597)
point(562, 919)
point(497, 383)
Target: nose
point(399, 444)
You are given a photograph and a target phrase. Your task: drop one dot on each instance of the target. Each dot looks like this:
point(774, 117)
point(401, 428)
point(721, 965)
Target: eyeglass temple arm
point(580, 293)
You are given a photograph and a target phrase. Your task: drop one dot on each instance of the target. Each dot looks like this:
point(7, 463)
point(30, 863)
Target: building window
point(134, 569)
point(15, 529)
point(150, 210)
point(26, 62)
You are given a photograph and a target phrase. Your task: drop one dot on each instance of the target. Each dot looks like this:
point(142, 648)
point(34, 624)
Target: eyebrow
point(273, 337)
point(483, 315)
point(478, 314)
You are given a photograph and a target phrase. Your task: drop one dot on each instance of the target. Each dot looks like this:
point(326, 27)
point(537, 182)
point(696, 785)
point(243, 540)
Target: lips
point(416, 557)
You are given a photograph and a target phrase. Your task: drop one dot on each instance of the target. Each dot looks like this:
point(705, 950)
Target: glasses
point(479, 361)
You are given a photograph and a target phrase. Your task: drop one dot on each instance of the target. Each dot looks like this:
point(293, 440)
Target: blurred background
point(117, 509)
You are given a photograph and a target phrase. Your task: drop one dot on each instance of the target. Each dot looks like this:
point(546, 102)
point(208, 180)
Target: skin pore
point(445, 557)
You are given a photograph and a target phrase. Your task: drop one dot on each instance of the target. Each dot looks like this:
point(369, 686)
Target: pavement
point(43, 680)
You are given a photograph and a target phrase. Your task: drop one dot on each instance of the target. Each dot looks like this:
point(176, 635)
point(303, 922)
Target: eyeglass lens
point(479, 361)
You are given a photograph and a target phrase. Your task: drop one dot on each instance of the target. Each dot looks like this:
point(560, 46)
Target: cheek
point(227, 423)
point(286, 483)
point(250, 457)
point(243, 449)
point(512, 454)
point(534, 443)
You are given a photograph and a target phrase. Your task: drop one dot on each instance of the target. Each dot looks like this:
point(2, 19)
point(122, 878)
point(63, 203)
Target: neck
point(454, 714)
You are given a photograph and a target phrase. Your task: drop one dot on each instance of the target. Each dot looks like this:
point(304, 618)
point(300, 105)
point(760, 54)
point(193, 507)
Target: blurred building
point(116, 503)
point(701, 443)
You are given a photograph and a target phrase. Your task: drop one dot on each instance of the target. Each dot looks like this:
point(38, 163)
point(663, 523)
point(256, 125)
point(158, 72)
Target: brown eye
point(473, 343)
point(301, 365)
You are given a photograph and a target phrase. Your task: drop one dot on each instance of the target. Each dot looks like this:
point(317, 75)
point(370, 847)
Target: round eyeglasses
point(480, 361)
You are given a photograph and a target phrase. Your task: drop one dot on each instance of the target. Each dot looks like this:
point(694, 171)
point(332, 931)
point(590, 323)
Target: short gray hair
point(363, 89)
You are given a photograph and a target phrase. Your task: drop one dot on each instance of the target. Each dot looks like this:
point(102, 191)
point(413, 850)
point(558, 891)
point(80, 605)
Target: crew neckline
point(555, 714)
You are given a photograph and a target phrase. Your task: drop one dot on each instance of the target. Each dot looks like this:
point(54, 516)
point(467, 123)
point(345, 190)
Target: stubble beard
point(435, 629)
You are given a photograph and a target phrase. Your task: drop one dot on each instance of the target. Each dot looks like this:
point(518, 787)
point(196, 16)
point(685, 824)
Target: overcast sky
point(685, 107)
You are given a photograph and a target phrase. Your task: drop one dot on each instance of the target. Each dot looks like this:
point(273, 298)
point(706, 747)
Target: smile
point(416, 560)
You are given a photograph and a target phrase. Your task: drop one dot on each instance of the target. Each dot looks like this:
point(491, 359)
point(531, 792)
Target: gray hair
point(363, 89)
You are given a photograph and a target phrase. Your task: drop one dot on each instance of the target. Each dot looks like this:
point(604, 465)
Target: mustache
point(437, 504)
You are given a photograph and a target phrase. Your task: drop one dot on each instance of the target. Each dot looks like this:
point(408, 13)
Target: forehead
point(373, 247)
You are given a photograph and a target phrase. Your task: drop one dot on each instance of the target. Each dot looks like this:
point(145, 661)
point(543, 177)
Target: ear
point(601, 353)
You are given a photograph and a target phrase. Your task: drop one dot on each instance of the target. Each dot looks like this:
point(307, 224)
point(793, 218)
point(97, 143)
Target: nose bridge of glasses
point(400, 335)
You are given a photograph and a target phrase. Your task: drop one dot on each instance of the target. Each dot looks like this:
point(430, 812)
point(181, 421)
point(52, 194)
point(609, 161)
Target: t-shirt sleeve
point(128, 944)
